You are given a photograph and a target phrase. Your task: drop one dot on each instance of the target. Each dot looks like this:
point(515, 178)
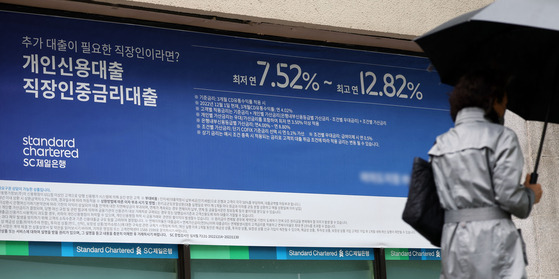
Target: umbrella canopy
point(519, 37)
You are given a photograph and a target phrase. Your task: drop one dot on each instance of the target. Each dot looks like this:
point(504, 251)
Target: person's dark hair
point(478, 89)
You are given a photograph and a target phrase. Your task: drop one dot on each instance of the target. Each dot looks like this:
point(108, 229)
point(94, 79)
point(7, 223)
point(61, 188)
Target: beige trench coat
point(479, 164)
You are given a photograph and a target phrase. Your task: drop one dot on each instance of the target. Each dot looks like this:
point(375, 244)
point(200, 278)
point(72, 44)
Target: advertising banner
point(114, 132)
point(280, 253)
point(403, 254)
point(89, 250)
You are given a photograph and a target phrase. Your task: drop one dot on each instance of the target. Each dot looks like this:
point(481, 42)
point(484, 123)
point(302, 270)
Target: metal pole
point(534, 175)
point(554, 90)
point(183, 262)
point(379, 264)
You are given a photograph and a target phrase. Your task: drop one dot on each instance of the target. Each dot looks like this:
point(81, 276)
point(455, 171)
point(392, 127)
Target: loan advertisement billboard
point(113, 132)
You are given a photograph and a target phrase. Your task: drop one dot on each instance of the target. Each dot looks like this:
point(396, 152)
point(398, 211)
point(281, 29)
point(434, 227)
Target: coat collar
point(470, 114)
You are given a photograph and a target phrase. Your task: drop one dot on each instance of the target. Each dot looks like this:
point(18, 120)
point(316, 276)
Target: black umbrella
point(518, 36)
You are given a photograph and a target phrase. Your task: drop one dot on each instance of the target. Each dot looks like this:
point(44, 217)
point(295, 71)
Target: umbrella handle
point(534, 178)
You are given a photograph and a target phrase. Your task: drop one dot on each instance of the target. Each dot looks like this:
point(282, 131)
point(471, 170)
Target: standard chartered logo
point(49, 152)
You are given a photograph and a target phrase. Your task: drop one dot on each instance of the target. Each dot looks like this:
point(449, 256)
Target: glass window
point(30, 267)
point(413, 269)
point(281, 269)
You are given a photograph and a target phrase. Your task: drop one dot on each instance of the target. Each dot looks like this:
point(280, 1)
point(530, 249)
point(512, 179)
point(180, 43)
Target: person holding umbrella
point(477, 164)
point(477, 167)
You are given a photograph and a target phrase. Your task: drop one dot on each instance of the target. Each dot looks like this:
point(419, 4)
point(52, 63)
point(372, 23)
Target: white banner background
point(110, 213)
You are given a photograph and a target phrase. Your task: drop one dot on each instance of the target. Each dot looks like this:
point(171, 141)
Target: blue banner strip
point(103, 250)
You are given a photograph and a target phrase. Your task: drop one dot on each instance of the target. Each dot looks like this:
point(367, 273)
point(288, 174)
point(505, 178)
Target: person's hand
point(537, 188)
